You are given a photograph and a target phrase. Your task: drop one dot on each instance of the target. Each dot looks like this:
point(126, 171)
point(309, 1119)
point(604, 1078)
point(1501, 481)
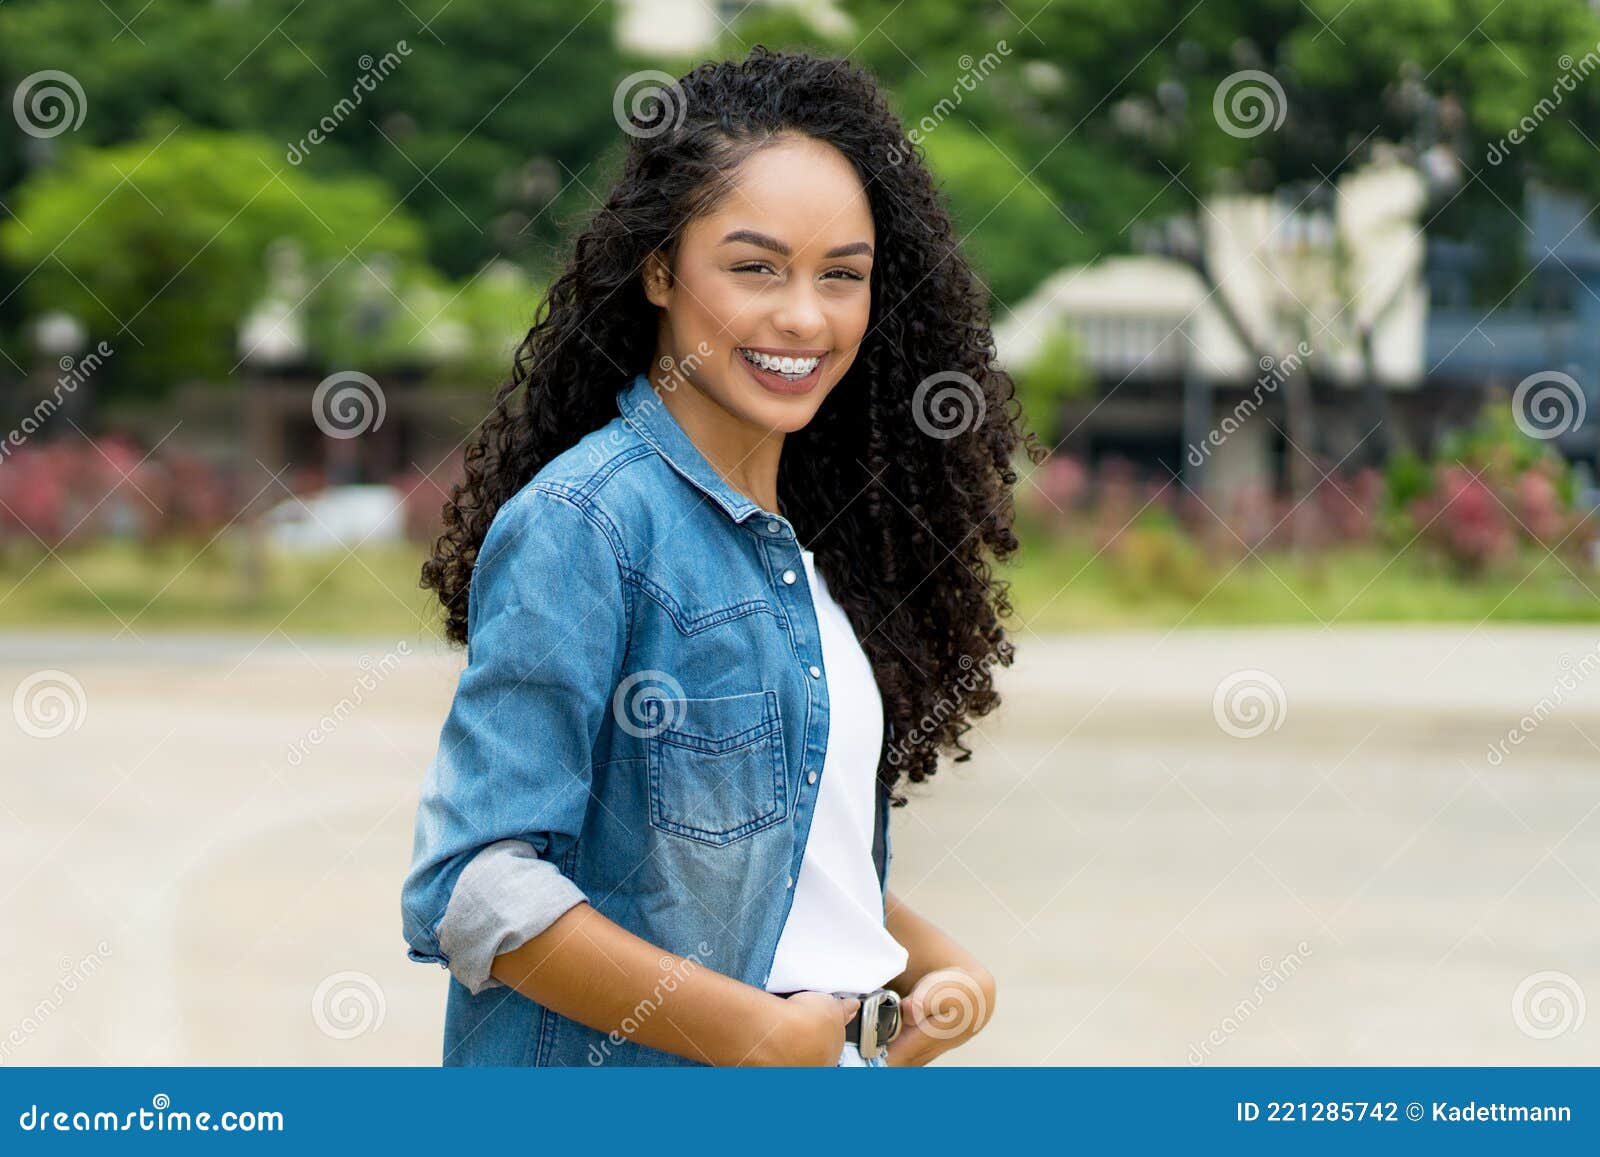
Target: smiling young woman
point(724, 574)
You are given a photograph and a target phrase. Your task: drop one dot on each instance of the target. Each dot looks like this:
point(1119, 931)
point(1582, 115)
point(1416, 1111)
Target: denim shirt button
point(789, 883)
point(812, 777)
point(789, 577)
point(816, 672)
point(774, 527)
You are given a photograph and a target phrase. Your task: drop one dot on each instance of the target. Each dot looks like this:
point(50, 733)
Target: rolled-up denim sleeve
point(505, 797)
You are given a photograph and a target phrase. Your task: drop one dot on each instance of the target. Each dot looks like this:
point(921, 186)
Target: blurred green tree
point(487, 124)
point(159, 245)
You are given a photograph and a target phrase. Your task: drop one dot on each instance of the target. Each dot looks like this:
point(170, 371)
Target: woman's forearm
point(592, 970)
point(928, 948)
point(947, 995)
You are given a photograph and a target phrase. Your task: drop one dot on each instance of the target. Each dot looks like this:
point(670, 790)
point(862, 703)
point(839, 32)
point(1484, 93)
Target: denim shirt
point(642, 709)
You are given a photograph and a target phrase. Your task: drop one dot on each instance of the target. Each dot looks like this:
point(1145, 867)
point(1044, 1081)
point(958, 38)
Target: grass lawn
point(1055, 586)
point(1065, 586)
point(176, 587)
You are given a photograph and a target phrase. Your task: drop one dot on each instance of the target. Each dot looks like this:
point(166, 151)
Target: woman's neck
point(745, 456)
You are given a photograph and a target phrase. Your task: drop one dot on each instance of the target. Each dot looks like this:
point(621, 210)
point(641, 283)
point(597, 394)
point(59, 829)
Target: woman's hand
point(813, 1032)
point(946, 1008)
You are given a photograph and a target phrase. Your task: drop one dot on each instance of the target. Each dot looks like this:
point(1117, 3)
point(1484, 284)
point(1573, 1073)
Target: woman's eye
point(842, 275)
point(753, 267)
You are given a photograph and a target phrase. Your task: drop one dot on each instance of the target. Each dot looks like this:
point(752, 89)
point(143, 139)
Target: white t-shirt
point(835, 939)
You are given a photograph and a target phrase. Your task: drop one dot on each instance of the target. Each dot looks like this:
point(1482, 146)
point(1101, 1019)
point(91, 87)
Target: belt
point(875, 1023)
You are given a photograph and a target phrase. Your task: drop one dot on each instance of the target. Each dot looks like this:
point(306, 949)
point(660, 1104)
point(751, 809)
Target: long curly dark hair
point(901, 484)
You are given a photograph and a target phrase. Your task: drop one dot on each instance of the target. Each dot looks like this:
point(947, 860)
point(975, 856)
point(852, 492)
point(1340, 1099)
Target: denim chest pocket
point(716, 766)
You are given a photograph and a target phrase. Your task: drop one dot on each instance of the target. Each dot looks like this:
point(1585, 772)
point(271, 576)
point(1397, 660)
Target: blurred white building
point(686, 27)
point(1359, 286)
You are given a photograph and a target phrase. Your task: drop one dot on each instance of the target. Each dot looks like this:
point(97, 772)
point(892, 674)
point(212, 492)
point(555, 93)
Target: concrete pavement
point(1224, 847)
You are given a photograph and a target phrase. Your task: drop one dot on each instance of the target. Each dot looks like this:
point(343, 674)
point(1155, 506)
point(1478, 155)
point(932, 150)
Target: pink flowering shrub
point(70, 491)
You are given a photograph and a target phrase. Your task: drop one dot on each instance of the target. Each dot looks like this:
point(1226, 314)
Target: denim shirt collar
point(648, 416)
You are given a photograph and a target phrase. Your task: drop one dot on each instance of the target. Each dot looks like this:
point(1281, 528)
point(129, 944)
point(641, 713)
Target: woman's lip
point(778, 384)
point(774, 353)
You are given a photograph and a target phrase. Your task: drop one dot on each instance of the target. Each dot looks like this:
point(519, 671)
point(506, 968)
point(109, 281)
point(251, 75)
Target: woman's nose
point(799, 314)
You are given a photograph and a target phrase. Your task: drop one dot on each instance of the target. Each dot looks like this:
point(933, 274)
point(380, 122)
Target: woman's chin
point(782, 415)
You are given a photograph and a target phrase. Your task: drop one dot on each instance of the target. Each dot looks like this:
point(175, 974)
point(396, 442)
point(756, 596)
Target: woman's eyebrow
point(761, 240)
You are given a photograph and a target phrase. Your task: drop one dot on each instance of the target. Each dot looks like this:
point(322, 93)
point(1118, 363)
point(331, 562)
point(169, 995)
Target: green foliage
point(1009, 226)
point(1054, 375)
point(1154, 556)
point(492, 124)
point(487, 124)
point(1072, 583)
point(384, 316)
point(1407, 477)
point(1495, 444)
point(159, 245)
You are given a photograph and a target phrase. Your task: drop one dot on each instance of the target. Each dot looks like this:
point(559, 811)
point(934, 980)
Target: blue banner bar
point(940, 1109)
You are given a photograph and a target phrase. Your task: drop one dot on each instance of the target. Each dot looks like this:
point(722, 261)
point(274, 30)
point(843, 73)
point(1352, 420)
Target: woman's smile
point(783, 371)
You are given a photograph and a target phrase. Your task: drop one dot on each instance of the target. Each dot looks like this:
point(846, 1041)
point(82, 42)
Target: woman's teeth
point(794, 368)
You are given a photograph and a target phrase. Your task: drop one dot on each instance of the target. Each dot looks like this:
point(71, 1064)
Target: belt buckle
point(880, 1022)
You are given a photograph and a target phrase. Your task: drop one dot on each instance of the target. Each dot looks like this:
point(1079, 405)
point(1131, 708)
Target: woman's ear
point(657, 279)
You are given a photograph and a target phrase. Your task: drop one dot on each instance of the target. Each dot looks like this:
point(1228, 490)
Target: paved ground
point(1359, 883)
